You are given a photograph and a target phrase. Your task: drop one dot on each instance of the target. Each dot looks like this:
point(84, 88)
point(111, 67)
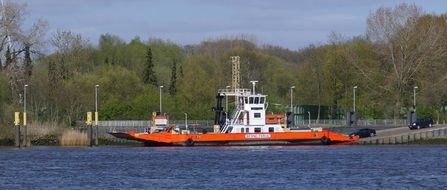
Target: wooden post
point(17, 126)
point(25, 131)
point(96, 129)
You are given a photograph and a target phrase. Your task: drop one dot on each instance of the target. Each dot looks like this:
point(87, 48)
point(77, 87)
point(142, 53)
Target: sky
point(292, 24)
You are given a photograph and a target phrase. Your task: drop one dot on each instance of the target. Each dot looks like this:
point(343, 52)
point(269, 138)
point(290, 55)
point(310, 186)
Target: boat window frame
point(261, 101)
point(250, 100)
point(257, 115)
point(256, 100)
point(258, 129)
point(271, 129)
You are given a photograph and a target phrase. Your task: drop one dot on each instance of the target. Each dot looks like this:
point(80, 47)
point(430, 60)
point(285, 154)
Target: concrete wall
point(406, 137)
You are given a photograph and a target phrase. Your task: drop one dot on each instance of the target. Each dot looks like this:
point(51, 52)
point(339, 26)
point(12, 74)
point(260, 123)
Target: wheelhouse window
point(257, 130)
point(251, 100)
point(246, 100)
point(229, 129)
point(271, 129)
point(257, 115)
point(262, 100)
point(257, 100)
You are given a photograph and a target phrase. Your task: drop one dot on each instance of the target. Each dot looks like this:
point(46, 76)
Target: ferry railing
point(140, 126)
point(342, 123)
point(234, 92)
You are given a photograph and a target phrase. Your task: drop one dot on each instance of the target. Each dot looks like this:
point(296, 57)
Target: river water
point(258, 167)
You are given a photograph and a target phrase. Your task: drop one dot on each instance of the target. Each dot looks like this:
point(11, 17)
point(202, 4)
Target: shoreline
point(52, 140)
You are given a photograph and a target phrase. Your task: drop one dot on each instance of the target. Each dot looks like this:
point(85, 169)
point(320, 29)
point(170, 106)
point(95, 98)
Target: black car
point(421, 123)
point(366, 132)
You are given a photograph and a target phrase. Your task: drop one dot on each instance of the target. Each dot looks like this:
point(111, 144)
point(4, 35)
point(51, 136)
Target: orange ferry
point(248, 125)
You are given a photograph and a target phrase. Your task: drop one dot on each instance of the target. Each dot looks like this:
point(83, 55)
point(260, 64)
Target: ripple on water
point(258, 167)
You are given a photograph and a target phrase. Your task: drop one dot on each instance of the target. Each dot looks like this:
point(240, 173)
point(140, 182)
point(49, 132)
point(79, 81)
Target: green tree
point(8, 57)
point(27, 64)
point(149, 76)
point(406, 45)
point(172, 85)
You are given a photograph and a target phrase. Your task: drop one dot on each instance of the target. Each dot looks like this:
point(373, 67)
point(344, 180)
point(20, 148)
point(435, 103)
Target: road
point(399, 131)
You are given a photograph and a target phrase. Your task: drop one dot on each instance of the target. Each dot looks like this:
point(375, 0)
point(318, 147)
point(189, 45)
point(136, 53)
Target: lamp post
point(186, 121)
point(291, 98)
point(24, 116)
point(414, 98)
point(353, 105)
point(96, 114)
point(226, 100)
point(161, 111)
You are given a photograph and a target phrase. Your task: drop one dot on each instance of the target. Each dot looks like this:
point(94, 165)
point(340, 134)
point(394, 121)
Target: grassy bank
point(52, 134)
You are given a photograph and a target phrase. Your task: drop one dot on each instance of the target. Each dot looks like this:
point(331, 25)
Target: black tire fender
point(189, 142)
point(325, 140)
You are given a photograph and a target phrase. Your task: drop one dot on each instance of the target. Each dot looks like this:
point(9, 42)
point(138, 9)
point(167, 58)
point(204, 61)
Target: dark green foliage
point(47, 140)
point(149, 76)
point(7, 142)
point(172, 87)
point(8, 57)
point(27, 64)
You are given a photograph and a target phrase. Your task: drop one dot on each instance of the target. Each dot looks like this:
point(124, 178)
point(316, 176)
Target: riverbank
point(430, 141)
point(53, 140)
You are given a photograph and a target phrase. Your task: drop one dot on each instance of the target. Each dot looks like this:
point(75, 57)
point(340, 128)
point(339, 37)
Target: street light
point(24, 114)
point(355, 87)
point(186, 121)
point(96, 114)
point(291, 98)
point(414, 98)
point(161, 111)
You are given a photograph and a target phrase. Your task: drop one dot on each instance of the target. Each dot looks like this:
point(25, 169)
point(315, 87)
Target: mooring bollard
point(17, 126)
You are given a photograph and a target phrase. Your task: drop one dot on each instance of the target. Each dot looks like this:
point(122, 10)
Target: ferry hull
point(237, 139)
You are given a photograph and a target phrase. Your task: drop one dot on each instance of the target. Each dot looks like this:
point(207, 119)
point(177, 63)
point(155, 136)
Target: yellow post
point(24, 119)
point(89, 118)
point(96, 118)
point(17, 125)
point(17, 119)
point(90, 131)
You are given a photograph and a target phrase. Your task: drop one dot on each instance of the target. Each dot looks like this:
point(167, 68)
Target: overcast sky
point(289, 23)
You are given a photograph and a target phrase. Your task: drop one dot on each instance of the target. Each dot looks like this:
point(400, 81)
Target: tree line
point(403, 47)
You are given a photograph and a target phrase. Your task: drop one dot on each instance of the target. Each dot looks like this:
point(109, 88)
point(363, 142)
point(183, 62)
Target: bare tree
point(406, 43)
point(17, 43)
point(71, 53)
